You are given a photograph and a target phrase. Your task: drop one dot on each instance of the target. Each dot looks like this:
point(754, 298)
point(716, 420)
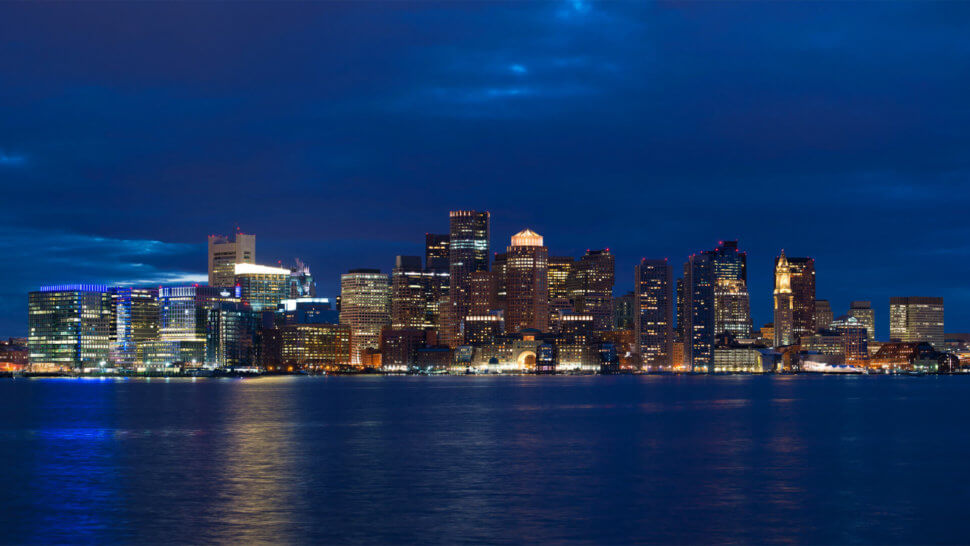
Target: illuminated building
point(135, 327)
point(301, 282)
point(767, 335)
point(862, 310)
point(399, 348)
point(527, 283)
point(307, 311)
point(784, 321)
point(314, 347)
point(802, 279)
point(409, 294)
point(262, 287)
point(913, 319)
point(854, 338)
point(14, 355)
point(202, 325)
point(436, 252)
point(823, 314)
point(225, 253)
point(365, 307)
point(560, 269)
point(653, 313)
point(468, 252)
point(698, 309)
point(69, 327)
point(732, 308)
point(591, 286)
point(746, 360)
point(482, 329)
point(906, 356)
point(484, 291)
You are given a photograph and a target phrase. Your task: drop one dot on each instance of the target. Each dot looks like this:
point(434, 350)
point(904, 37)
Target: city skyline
point(545, 114)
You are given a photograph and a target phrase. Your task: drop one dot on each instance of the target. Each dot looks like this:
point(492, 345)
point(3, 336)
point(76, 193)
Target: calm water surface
point(487, 460)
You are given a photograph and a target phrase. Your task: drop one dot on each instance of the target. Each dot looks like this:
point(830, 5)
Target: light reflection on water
point(486, 460)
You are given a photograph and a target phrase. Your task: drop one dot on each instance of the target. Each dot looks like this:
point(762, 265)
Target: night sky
point(341, 133)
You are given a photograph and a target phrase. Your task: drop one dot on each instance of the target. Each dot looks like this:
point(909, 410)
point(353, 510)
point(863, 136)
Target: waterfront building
point(468, 252)
point(203, 326)
point(823, 315)
point(69, 327)
point(14, 354)
point(784, 318)
point(862, 311)
point(802, 279)
point(913, 319)
point(134, 326)
point(906, 356)
point(591, 286)
point(262, 287)
point(527, 283)
point(746, 360)
point(399, 348)
point(482, 329)
point(653, 313)
point(854, 338)
point(313, 347)
point(698, 309)
point(365, 307)
point(225, 253)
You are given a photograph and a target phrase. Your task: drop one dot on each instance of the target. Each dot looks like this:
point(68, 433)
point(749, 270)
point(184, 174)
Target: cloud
point(11, 160)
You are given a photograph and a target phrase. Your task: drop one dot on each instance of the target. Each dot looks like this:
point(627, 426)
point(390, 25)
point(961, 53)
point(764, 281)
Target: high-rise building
point(784, 318)
point(915, 318)
point(301, 281)
point(365, 307)
point(854, 338)
point(202, 325)
point(624, 311)
point(262, 287)
point(436, 251)
point(410, 285)
point(135, 327)
point(483, 286)
point(654, 312)
point(560, 268)
point(527, 283)
point(70, 327)
point(467, 252)
point(732, 308)
point(823, 315)
point(803, 296)
point(698, 312)
point(225, 253)
point(591, 287)
point(314, 347)
point(862, 310)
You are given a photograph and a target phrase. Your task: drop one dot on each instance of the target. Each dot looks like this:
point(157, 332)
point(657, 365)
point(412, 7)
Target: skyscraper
point(301, 281)
point(410, 286)
point(436, 251)
point(365, 307)
point(527, 283)
point(654, 312)
point(732, 308)
point(560, 268)
point(803, 296)
point(784, 319)
point(698, 310)
point(202, 325)
point(69, 327)
point(467, 252)
point(225, 253)
point(916, 318)
point(823, 314)
point(591, 287)
point(862, 311)
point(135, 326)
point(262, 287)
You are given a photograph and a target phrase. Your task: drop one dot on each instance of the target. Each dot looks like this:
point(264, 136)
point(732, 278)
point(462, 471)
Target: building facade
point(364, 306)
point(863, 312)
point(654, 313)
point(527, 283)
point(468, 252)
point(784, 306)
point(69, 327)
point(225, 252)
point(591, 287)
point(802, 277)
point(915, 319)
point(262, 287)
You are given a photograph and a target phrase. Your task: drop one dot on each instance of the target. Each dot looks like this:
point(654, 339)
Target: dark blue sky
point(341, 133)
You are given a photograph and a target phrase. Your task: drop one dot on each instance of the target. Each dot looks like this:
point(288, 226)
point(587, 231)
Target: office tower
point(698, 328)
point(202, 325)
point(853, 334)
point(680, 331)
point(784, 320)
point(591, 287)
point(862, 310)
point(261, 286)
point(803, 296)
point(409, 294)
point(467, 253)
point(436, 251)
point(301, 281)
point(823, 315)
point(365, 307)
point(482, 329)
point(914, 318)
point(623, 311)
point(527, 283)
point(732, 312)
point(225, 253)
point(483, 290)
point(732, 308)
point(314, 347)
point(560, 268)
point(135, 325)
point(69, 327)
point(654, 312)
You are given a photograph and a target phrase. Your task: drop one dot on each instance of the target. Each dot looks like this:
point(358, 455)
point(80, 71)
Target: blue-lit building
point(70, 327)
point(204, 325)
point(134, 325)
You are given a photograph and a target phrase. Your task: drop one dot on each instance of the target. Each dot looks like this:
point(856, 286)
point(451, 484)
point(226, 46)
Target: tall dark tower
point(653, 313)
point(803, 296)
point(698, 307)
point(591, 287)
point(467, 253)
